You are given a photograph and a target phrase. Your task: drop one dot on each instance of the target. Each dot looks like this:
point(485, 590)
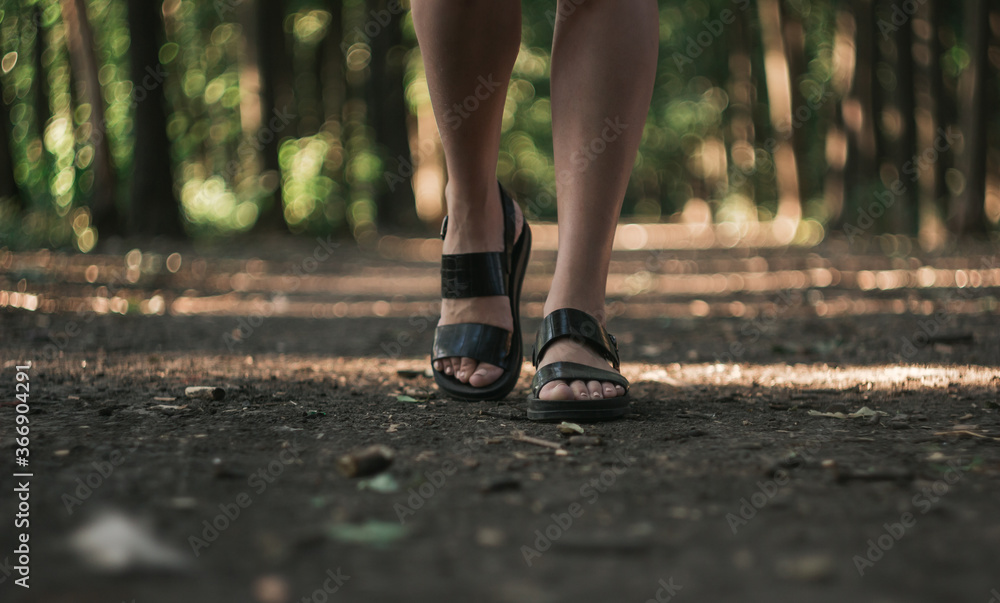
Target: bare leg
point(469, 48)
point(603, 66)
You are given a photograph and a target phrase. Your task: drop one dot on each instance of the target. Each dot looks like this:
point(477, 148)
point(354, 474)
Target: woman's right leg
point(469, 48)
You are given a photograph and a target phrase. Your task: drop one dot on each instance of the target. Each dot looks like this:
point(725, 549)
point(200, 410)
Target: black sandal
point(484, 274)
point(585, 330)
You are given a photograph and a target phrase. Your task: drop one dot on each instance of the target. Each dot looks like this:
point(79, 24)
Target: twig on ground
point(519, 436)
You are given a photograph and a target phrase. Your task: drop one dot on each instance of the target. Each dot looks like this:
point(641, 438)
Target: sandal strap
point(473, 275)
point(482, 274)
point(572, 371)
point(484, 343)
point(509, 224)
point(580, 327)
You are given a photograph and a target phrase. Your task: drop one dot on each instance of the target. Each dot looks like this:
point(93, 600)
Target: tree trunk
point(741, 93)
point(837, 150)
point(83, 61)
point(154, 207)
point(8, 186)
point(40, 89)
point(859, 112)
point(903, 214)
point(242, 164)
point(40, 82)
point(779, 99)
point(388, 115)
point(331, 66)
point(333, 80)
point(967, 217)
point(930, 120)
point(794, 39)
point(276, 106)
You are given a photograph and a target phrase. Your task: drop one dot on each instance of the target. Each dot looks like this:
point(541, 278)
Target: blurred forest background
point(180, 118)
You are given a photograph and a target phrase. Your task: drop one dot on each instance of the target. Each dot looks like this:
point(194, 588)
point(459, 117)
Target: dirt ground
point(794, 436)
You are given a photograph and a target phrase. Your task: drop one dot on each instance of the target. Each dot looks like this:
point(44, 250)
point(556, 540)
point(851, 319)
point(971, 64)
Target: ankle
point(471, 199)
point(593, 307)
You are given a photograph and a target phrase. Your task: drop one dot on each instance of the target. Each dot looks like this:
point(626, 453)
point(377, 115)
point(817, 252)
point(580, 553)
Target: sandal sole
point(578, 410)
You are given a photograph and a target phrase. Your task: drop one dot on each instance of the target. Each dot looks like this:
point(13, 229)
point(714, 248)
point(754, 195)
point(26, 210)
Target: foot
point(475, 226)
point(566, 350)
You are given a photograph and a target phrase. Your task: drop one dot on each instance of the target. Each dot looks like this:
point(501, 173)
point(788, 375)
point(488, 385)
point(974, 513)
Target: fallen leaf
point(864, 411)
point(372, 532)
point(383, 484)
point(424, 455)
point(570, 428)
point(115, 542)
point(832, 415)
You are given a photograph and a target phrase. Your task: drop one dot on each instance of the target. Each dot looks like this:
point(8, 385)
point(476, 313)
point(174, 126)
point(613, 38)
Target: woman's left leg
point(603, 67)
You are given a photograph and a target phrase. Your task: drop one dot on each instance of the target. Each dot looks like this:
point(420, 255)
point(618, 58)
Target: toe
point(609, 390)
point(455, 364)
point(446, 367)
point(556, 390)
point(438, 365)
point(620, 390)
point(466, 368)
point(485, 374)
point(580, 391)
point(595, 389)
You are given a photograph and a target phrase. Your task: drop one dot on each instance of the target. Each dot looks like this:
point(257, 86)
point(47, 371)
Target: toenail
point(596, 396)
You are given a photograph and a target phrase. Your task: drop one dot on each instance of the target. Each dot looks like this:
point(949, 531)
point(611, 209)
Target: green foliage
point(332, 168)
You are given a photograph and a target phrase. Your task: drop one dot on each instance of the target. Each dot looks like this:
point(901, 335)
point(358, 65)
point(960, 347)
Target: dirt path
point(828, 456)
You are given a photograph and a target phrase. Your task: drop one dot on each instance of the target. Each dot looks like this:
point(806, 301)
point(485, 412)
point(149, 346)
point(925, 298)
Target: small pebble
point(503, 484)
point(271, 589)
point(362, 463)
point(182, 502)
point(806, 568)
point(490, 537)
point(205, 392)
